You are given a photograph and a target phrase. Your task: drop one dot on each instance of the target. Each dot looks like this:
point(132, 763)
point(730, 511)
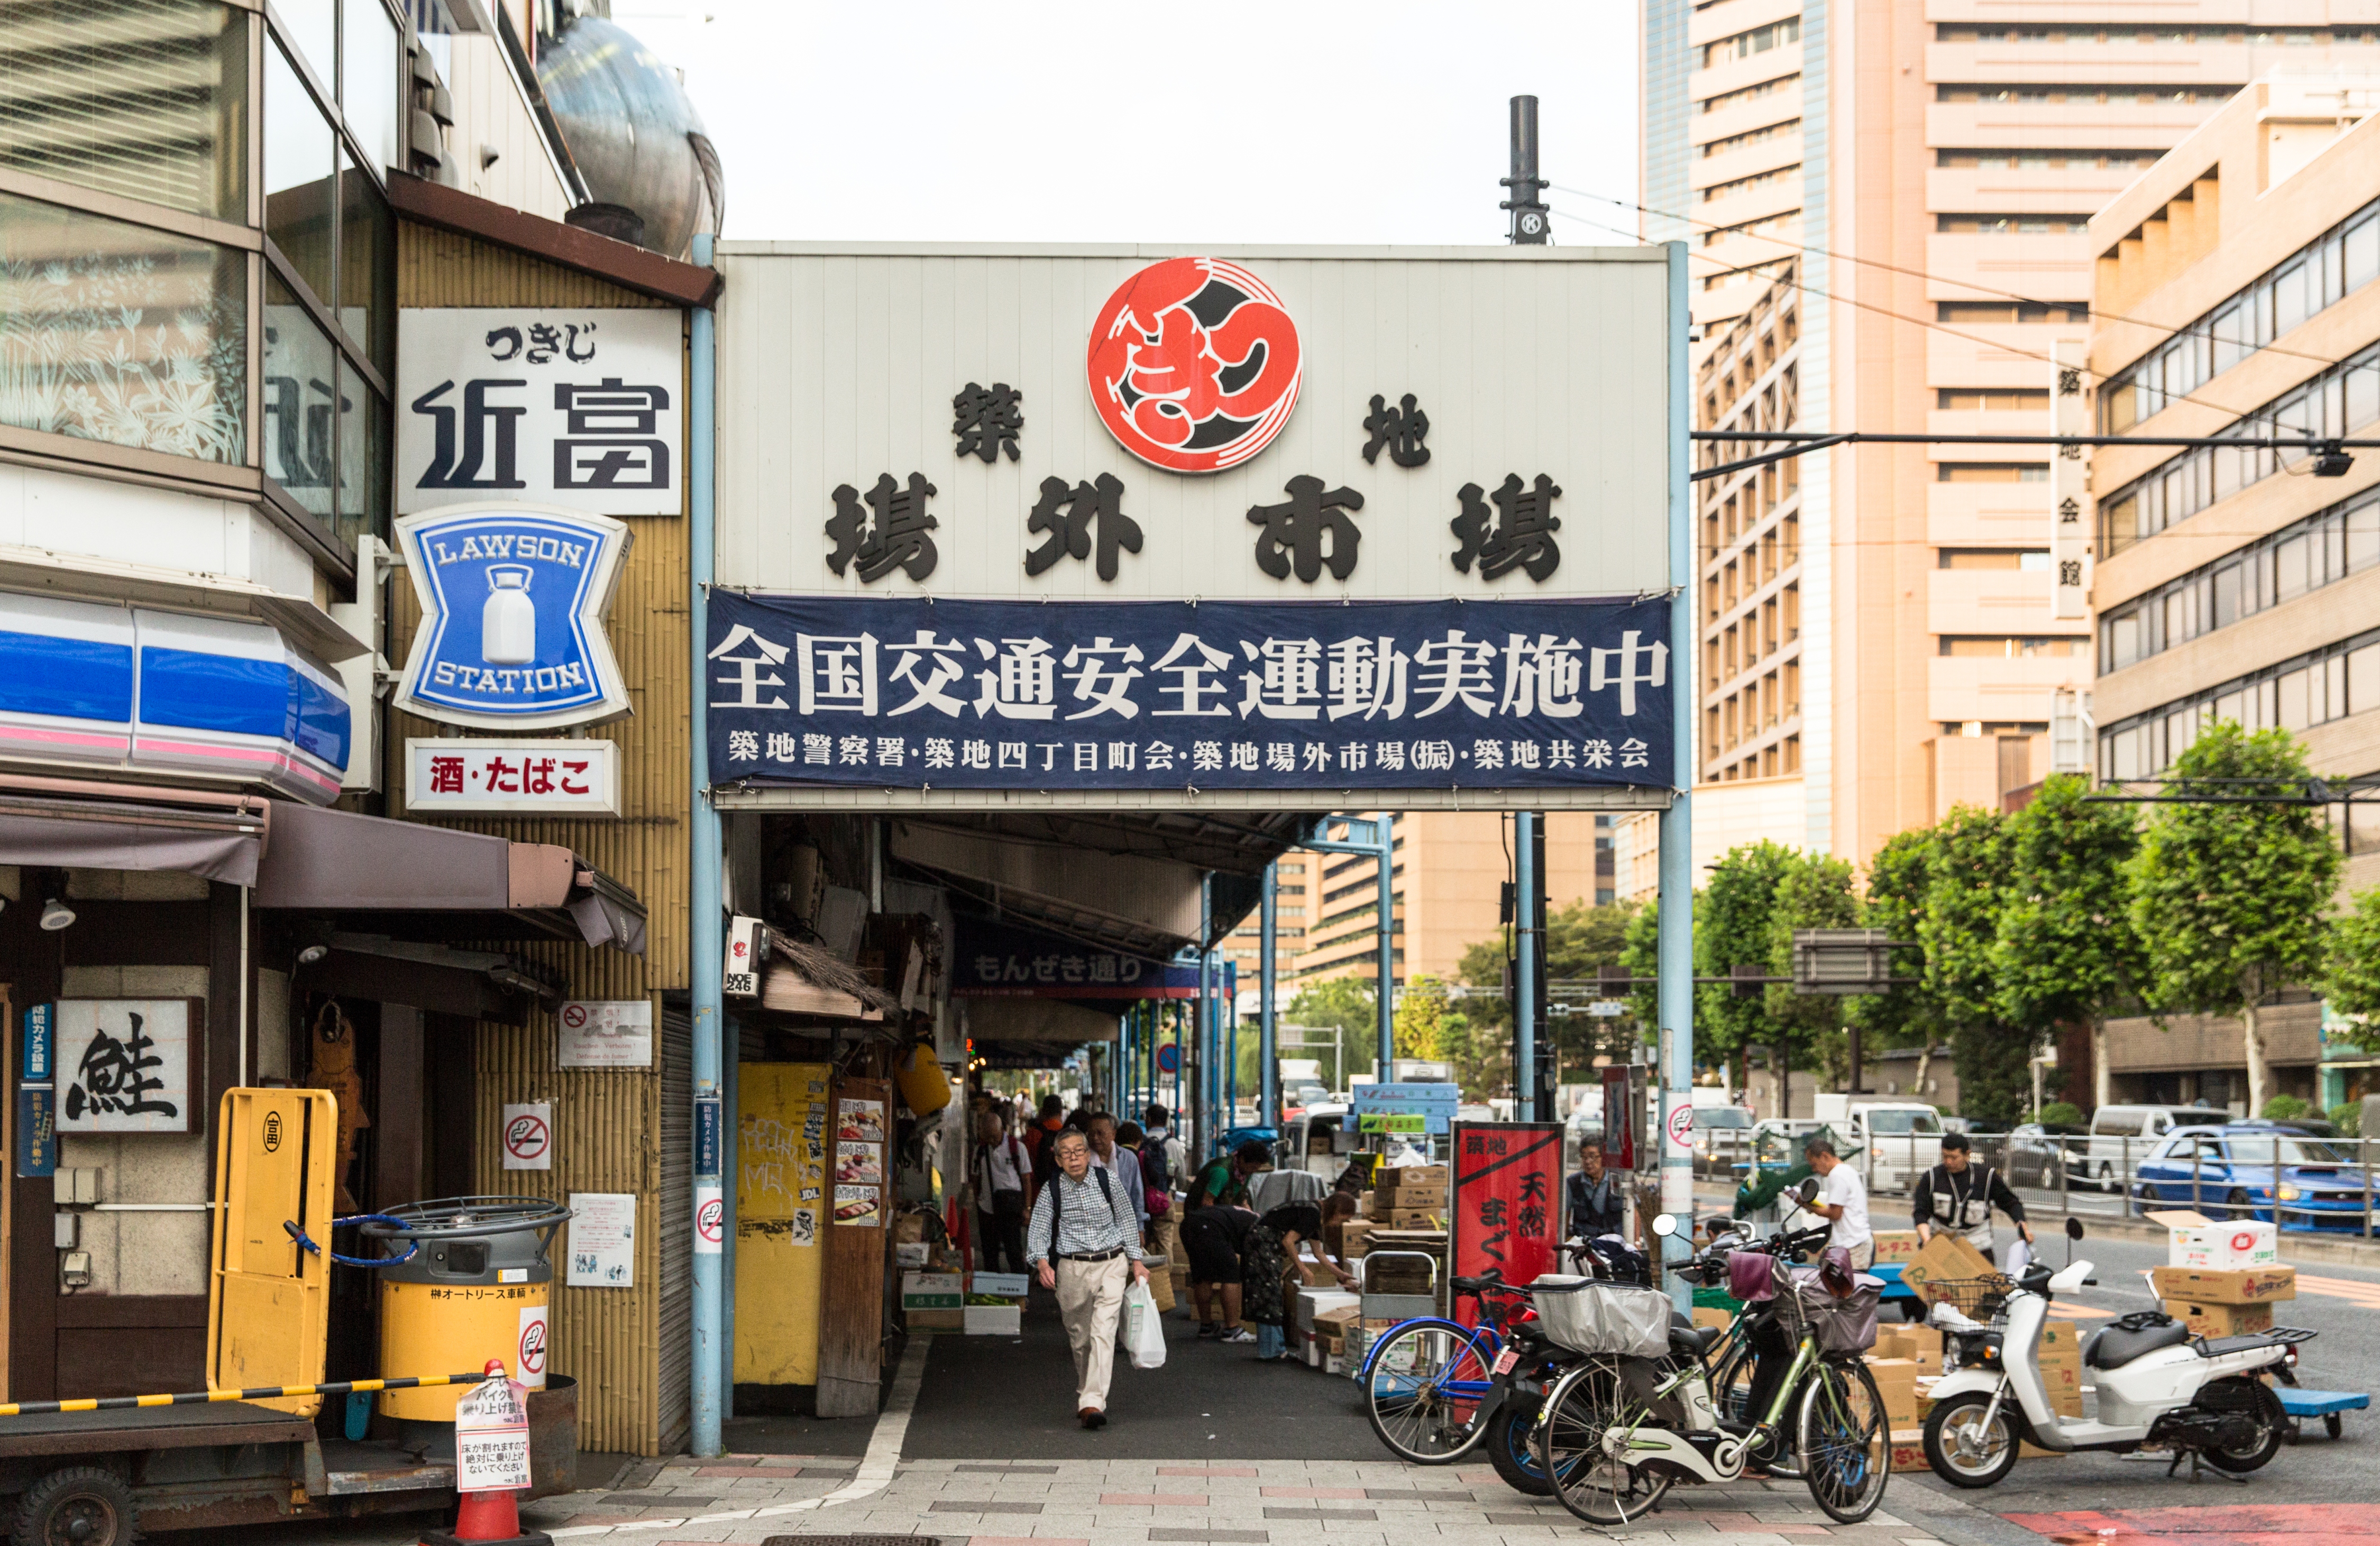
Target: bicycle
point(1621, 1428)
point(1426, 1378)
point(1435, 1389)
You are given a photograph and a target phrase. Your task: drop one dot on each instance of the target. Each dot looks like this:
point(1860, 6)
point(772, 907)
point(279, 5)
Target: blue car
point(2255, 1169)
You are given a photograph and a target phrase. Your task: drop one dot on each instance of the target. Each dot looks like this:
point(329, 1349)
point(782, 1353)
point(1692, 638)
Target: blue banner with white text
point(903, 692)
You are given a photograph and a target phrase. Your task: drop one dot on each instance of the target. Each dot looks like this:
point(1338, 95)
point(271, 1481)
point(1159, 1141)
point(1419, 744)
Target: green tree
point(1897, 879)
point(1346, 1005)
point(2350, 976)
point(1421, 1016)
point(1813, 892)
point(1581, 939)
point(2231, 899)
point(1733, 920)
point(2066, 949)
point(1966, 890)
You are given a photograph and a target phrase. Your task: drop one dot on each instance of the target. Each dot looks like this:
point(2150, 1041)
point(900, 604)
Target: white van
point(1898, 1140)
point(2122, 1136)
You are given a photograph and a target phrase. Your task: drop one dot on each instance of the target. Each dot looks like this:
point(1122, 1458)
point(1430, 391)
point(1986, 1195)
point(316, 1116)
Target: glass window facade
point(143, 99)
point(122, 334)
point(133, 326)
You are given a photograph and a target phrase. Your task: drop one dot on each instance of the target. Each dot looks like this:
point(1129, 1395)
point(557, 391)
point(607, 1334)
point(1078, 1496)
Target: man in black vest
point(1597, 1203)
point(1958, 1197)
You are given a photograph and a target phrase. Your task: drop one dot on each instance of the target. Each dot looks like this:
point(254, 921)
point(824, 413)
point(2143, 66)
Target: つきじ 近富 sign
point(513, 598)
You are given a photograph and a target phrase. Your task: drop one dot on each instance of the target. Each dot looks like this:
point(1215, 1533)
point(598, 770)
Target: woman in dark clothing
point(1268, 1257)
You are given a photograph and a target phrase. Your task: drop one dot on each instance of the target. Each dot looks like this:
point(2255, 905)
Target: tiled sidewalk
point(1125, 1503)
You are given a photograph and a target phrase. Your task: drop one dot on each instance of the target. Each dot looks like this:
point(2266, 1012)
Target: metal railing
point(2110, 1167)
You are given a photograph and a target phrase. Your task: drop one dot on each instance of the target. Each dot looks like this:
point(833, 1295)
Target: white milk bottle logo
point(508, 620)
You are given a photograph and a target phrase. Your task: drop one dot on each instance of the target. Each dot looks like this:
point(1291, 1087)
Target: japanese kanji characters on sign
point(124, 1064)
point(567, 406)
point(1507, 1202)
point(2070, 486)
point(582, 777)
point(492, 1435)
point(900, 693)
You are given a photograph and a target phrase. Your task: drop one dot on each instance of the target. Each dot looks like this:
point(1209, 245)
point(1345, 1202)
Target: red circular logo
point(2243, 1241)
point(709, 1219)
point(524, 1137)
point(532, 1347)
point(1194, 364)
point(574, 1016)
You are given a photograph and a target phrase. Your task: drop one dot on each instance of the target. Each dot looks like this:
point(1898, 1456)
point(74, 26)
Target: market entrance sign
point(1132, 526)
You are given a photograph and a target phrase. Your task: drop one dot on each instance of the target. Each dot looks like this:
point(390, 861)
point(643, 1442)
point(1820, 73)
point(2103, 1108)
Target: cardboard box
point(1909, 1450)
point(1945, 1258)
point(935, 1320)
point(995, 1320)
point(2219, 1244)
point(1312, 1302)
point(1414, 1218)
point(1896, 1379)
point(1398, 1177)
point(2235, 1286)
point(1001, 1285)
point(1712, 1315)
point(1333, 1320)
point(1896, 1245)
point(1410, 1193)
point(932, 1291)
point(2221, 1320)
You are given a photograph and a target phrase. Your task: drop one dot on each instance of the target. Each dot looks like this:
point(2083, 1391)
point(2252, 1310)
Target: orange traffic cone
point(488, 1519)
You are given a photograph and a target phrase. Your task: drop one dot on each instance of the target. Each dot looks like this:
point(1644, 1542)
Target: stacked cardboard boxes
point(2222, 1277)
point(1334, 1330)
point(1895, 1247)
point(1946, 1258)
point(2061, 1367)
point(933, 1301)
point(1410, 1197)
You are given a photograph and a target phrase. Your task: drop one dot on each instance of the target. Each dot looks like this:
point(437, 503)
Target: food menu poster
point(859, 1162)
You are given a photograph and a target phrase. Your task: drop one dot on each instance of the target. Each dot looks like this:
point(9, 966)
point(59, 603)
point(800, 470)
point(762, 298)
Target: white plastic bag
point(1144, 1333)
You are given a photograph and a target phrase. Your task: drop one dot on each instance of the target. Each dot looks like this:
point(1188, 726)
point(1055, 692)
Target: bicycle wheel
point(1589, 1416)
point(1845, 1443)
point(1508, 1448)
point(1422, 1389)
point(1731, 1395)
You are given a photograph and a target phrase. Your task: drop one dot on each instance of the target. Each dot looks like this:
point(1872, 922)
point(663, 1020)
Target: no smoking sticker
point(709, 1219)
point(1682, 1126)
point(528, 1136)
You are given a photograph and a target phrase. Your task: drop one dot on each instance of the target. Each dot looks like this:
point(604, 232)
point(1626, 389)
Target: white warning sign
point(491, 1438)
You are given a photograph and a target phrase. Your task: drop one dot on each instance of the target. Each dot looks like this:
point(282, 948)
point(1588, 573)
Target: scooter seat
point(1693, 1341)
point(2113, 1347)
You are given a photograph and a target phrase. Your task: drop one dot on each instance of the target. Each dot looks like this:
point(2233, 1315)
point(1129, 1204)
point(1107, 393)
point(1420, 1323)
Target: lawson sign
point(512, 599)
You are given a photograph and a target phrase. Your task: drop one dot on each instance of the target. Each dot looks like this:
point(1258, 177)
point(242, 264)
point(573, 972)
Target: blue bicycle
point(1429, 1381)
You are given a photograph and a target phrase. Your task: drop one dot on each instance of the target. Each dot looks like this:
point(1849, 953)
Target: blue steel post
point(1676, 948)
point(1388, 979)
point(1268, 1031)
point(705, 934)
point(1525, 969)
point(1208, 1131)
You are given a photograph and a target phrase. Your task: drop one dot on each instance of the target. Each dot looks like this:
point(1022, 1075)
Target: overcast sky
point(1036, 120)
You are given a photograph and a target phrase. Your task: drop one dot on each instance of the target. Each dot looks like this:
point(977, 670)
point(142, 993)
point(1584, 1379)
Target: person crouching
point(1084, 1240)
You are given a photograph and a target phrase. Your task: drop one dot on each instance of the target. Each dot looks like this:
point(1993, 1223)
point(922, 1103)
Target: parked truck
point(1898, 1140)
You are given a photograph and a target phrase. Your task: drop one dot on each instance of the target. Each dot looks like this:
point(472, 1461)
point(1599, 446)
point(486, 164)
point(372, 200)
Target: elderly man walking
point(1085, 1242)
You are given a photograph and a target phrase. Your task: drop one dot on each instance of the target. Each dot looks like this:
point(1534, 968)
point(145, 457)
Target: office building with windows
point(2238, 292)
point(1884, 207)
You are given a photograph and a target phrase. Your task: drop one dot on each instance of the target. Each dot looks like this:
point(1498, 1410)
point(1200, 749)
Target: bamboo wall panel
point(607, 1123)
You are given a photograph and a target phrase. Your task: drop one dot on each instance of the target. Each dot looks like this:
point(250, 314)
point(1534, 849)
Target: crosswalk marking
point(2364, 1294)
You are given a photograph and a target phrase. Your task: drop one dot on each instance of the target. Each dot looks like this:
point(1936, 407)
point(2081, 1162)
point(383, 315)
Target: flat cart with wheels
point(2301, 1405)
point(105, 1478)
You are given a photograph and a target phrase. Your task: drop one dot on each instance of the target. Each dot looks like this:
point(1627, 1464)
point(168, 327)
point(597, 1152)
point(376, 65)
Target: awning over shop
point(1053, 1023)
point(84, 823)
point(408, 880)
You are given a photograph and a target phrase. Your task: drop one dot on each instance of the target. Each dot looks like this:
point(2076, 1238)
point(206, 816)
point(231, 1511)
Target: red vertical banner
point(1507, 1199)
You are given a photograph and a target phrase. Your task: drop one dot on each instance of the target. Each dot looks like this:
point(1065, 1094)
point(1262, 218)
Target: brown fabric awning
point(89, 824)
point(409, 879)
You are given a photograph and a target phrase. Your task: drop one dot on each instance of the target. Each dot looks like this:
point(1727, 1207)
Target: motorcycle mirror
point(1808, 1191)
point(1665, 1225)
point(2073, 1228)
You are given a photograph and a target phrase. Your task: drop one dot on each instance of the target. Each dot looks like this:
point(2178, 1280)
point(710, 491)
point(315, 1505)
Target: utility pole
point(1530, 226)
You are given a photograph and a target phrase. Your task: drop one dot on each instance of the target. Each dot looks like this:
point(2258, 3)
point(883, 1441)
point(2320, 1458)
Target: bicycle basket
point(1587, 1315)
point(1839, 1326)
point(1983, 1299)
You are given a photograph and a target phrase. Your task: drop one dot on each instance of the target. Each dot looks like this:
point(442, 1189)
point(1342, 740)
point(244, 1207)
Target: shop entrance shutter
point(678, 1228)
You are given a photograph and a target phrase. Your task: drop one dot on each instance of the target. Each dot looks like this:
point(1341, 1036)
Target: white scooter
point(2158, 1387)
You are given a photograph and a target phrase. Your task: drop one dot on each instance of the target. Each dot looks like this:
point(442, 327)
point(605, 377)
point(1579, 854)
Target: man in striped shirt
point(1084, 1240)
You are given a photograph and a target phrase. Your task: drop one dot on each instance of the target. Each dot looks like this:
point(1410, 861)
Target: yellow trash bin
point(477, 1287)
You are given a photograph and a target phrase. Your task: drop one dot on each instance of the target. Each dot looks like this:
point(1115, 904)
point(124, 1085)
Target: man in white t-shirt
point(1842, 1198)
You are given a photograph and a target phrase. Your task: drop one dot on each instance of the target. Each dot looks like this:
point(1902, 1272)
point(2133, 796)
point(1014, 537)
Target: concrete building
point(1886, 208)
point(2235, 285)
point(1447, 883)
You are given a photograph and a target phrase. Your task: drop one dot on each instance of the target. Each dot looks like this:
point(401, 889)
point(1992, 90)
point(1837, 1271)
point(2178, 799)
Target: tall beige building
point(2238, 287)
point(1886, 203)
